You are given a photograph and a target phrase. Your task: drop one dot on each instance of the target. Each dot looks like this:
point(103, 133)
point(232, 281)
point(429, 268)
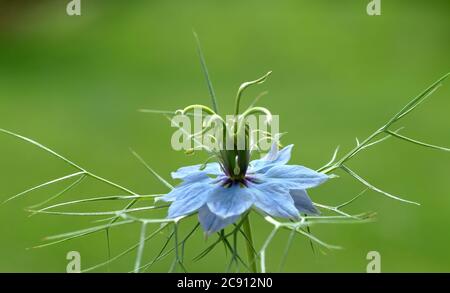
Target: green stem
point(250, 251)
point(350, 154)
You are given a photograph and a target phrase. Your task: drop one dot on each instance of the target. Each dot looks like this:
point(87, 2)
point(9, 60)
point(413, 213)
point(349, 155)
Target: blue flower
point(269, 185)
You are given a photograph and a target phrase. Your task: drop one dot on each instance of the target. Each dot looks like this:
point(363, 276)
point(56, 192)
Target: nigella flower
point(267, 184)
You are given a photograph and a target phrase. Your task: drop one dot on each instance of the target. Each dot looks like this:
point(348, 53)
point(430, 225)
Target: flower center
point(235, 163)
point(243, 181)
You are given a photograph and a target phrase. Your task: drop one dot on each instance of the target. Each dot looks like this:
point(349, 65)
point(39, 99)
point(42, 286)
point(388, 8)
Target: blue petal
point(274, 200)
point(211, 222)
point(273, 158)
point(303, 203)
point(272, 154)
point(191, 182)
point(188, 197)
point(294, 176)
point(210, 168)
point(191, 203)
point(230, 201)
point(279, 156)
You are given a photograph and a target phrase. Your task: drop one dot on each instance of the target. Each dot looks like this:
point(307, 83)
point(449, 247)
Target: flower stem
point(250, 248)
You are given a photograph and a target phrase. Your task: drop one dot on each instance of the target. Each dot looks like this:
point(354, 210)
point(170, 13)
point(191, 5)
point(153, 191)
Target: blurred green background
point(75, 84)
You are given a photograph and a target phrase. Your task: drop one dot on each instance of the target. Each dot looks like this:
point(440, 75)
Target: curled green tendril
point(258, 110)
point(190, 108)
point(246, 85)
point(254, 110)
